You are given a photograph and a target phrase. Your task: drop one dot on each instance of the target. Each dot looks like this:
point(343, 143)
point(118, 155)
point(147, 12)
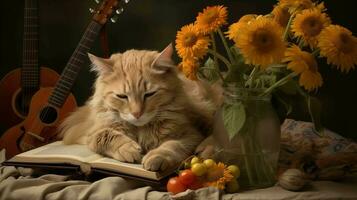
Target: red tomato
point(175, 186)
point(187, 177)
point(195, 185)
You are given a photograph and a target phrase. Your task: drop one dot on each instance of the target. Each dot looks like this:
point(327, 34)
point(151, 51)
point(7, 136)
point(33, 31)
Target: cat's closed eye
point(149, 94)
point(122, 96)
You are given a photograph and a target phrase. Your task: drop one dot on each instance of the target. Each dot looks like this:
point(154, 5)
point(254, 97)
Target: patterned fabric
point(303, 147)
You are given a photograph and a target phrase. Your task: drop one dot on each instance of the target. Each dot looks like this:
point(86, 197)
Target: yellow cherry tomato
point(209, 163)
point(234, 169)
point(195, 160)
point(232, 186)
point(199, 169)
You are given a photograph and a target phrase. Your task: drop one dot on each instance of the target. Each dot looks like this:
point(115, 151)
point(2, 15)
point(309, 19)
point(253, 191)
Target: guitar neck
point(64, 85)
point(30, 69)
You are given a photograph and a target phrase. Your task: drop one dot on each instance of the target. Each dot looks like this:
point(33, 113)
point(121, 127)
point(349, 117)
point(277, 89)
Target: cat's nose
point(138, 114)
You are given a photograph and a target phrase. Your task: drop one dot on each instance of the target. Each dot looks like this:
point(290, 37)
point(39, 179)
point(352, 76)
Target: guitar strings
point(29, 54)
point(44, 115)
point(25, 56)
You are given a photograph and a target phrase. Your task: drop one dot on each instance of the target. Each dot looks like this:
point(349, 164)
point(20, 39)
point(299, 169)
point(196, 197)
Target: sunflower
point(296, 5)
point(303, 63)
point(189, 68)
point(218, 176)
point(261, 42)
point(339, 46)
point(321, 6)
point(211, 19)
point(308, 25)
point(281, 15)
point(191, 44)
point(233, 30)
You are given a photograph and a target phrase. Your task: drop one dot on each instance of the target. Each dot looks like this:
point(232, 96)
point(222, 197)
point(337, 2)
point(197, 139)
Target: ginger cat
point(142, 110)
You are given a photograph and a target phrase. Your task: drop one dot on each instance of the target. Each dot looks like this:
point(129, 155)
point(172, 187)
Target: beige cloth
point(18, 184)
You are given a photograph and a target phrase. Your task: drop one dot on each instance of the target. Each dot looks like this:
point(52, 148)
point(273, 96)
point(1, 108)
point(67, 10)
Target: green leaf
point(233, 118)
point(209, 71)
point(209, 63)
point(314, 107)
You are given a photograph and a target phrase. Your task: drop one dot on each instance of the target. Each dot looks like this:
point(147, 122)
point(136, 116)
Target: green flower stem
point(267, 169)
point(301, 43)
point(215, 57)
point(256, 156)
point(219, 56)
point(246, 162)
point(301, 91)
point(279, 83)
point(229, 53)
point(251, 77)
point(214, 46)
point(287, 28)
point(316, 52)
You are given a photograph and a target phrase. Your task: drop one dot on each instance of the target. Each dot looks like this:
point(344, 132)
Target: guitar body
point(33, 127)
point(48, 106)
point(10, 95)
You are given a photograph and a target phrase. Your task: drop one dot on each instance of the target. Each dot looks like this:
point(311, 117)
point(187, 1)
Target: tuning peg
point(91, 10)
point(97, 1)
point(114, 19)
point(126, 1)
point(119, 11)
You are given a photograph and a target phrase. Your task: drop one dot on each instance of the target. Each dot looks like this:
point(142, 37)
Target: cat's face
point(138, 86)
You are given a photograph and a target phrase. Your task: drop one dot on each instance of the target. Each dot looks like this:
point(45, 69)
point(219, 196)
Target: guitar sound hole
point(22, 101)
point(48, 115)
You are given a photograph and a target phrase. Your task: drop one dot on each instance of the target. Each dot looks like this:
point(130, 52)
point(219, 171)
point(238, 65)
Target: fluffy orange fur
point(142, 110)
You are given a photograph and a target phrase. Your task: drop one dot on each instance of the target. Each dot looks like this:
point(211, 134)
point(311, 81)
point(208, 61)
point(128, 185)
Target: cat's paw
point(128, 152)
point(154, 161)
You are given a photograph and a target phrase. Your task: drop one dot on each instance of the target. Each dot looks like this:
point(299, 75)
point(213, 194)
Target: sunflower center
point(345, 43)
point(210, 16)
point(263, 40)
point(311, 26)
point(190, 40)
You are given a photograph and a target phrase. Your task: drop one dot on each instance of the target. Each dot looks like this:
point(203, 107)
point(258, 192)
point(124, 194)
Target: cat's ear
point(101, 65)
point(163, 63)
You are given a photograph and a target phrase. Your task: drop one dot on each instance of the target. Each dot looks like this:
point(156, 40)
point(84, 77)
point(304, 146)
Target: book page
point(57, 152)
point(127, 168)
point(116, 162)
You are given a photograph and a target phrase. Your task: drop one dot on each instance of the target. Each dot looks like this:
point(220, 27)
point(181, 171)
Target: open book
point(79, 155)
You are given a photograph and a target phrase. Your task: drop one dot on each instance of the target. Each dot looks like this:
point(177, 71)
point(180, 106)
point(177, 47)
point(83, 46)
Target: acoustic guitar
point(18, 86)
point(49, 106)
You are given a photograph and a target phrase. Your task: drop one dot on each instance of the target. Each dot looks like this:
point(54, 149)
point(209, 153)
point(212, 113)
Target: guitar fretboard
point(30, 69)
point(65, 83)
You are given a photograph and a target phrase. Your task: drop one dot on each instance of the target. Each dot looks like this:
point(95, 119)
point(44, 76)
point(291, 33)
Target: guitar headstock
point(108, 9)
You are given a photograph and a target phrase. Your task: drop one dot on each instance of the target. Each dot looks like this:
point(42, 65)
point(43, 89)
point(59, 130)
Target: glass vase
point(255, 147)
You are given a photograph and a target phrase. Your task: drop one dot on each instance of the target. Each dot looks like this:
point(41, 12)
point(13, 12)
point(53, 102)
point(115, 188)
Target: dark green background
point(152, 24)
